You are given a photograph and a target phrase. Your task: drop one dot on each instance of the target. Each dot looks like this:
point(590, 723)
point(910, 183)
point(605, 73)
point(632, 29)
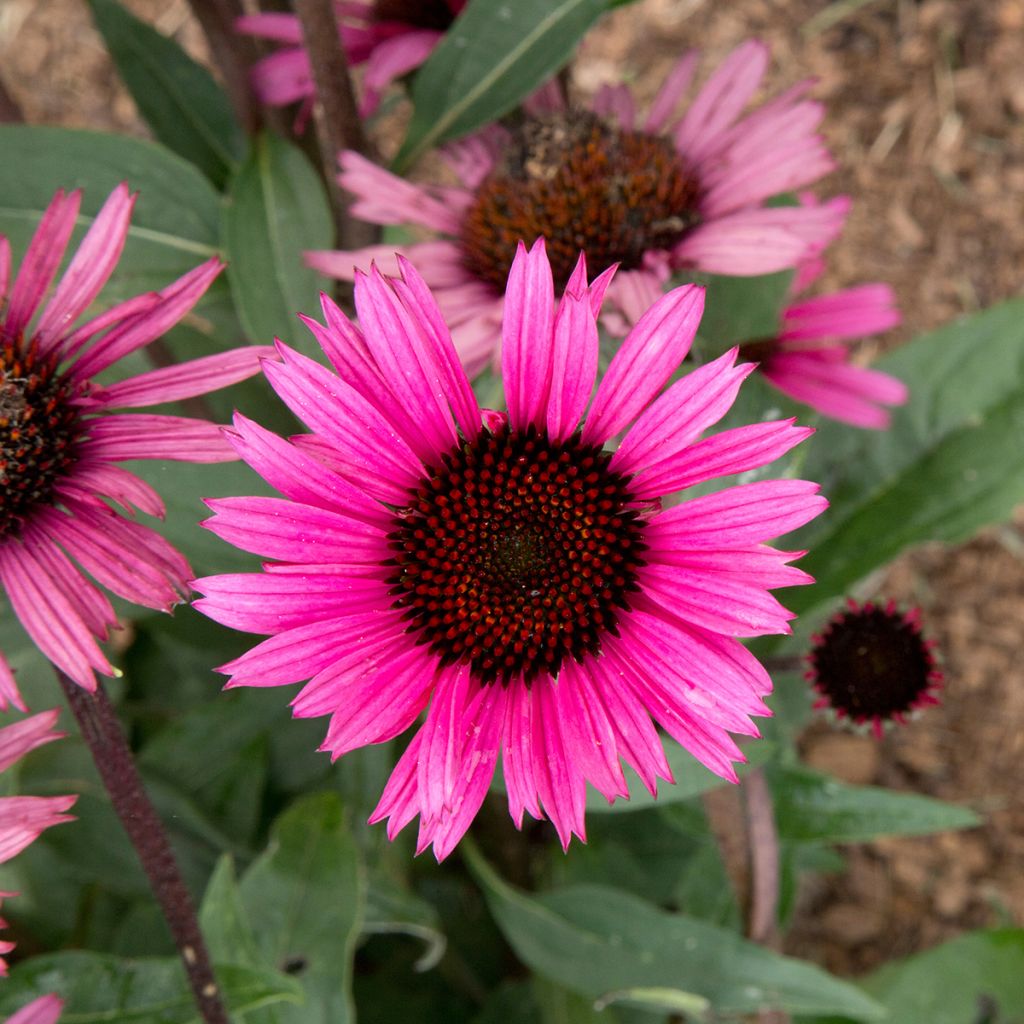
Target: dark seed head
point(516, 553)
point(872, 664)
point(38, 428)
point(582, 184)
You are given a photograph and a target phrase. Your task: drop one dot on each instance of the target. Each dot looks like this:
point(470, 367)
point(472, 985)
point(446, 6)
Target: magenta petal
point(731, 451)
point(482, 727)
point(184, 380)
point(150, 436)
point(574, 364)
point(527, 337)
point(43, 257)
point(44, 1010)
point(678, 417)
point(288, 531)
point(90, 268)
point(95, 478)
point(648, 357)
point(390, 60)
point(52, 617)
point(400, 801)
point(300, 477)
point(517, 730)
point(747, 514)
point(559, 781)
point(24, 818)
point(441, 752)
point(9, 692)
point(671, 92)
point(18, 738)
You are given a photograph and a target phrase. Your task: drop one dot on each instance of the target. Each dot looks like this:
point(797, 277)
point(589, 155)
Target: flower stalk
point(102, 732)
point(335, 114)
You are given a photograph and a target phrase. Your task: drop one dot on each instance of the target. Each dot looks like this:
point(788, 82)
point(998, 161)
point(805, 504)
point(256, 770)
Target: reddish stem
point(102, 732)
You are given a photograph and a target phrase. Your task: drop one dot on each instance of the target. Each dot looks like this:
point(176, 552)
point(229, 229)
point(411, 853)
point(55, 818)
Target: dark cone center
point(517, 553)
point(430, 14)
point(38, 427)
point(872, 663)
point(584, 186)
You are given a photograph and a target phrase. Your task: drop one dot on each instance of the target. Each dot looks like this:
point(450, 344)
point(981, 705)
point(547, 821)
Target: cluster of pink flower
point(539, 594)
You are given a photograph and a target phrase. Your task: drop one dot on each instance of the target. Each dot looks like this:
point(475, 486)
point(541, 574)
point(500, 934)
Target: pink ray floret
point(63, 436)
point(44, 1010)
point(809, 361)
point(537, 598)
point(24, 818)
point(735, 162)
point(387, 43)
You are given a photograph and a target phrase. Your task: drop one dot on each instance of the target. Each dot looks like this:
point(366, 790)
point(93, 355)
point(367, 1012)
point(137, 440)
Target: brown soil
point(926, 115)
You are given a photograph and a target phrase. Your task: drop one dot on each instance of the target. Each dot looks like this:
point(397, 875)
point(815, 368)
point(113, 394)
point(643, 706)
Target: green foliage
point(306, 894)
point(179, 99)
point(976, 978)
point(951, 463)
point(813, 807)
point(175, 225)
point(740, 309)
point(275, 208)
point(495, 53)
point(96, 987)
point(599, 941)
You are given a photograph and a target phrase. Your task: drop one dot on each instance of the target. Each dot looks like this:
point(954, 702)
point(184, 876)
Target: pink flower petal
point(44, 1010)
point(18, 738)
point(151, 436)
point(647, 358)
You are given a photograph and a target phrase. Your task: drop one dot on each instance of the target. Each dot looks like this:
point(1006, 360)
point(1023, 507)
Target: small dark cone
point(871, 664)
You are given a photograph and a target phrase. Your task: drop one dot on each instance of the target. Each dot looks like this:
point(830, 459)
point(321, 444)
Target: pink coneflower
point(24, 818)
point(672, 194)
point(808, 361)
point(507, 574)
point(61, 443)
point(871, 664)
point(44, 1010)
point(391, 37)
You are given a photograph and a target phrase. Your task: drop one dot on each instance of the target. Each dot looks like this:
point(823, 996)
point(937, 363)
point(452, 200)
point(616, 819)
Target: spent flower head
point(651, 197)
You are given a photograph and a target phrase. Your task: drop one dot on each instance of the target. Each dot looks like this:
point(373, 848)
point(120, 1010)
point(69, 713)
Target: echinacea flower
point(871, 665)
point(669, 194)
point(24, 818)
point(808, 361)
point(61, 439)
point(528, 589)
point(44, 1010)
point(391, 37)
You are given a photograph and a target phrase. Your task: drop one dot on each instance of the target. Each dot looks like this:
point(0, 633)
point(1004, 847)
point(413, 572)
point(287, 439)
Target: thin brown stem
point(338, 125)
point(233, 54)
point(102, 732)
point(763, 843)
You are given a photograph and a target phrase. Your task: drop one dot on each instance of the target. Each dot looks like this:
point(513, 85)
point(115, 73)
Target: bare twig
point(233, 54)
point(338, 125)
point(102, 733)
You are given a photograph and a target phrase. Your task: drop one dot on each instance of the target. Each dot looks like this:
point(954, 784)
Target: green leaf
point(275, 208)
point(228, 932)
point(392, 909)
point(951, 463)
point(179, 98)
point(692, 779)
point(494, 54)
point(175, 225)
point(974, 979)
point(307, 893)
point(98, 988)
point(739, 309)
point(814, 808)
point(597, 941)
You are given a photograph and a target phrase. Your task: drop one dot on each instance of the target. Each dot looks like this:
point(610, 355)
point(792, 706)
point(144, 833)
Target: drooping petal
point(18, 738)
